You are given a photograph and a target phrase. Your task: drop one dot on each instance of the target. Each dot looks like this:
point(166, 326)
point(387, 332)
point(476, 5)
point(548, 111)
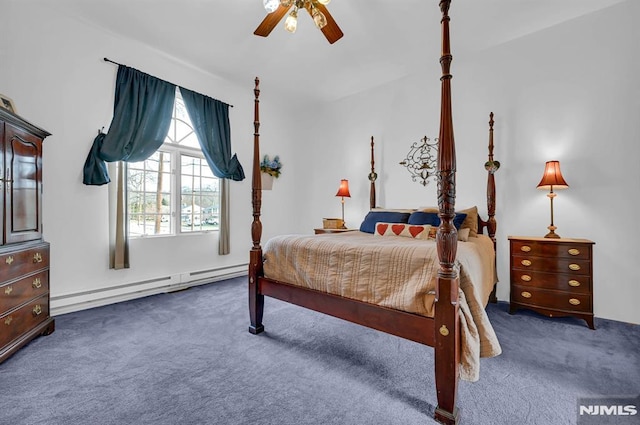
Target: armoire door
point(2, 185)
point(23, 185)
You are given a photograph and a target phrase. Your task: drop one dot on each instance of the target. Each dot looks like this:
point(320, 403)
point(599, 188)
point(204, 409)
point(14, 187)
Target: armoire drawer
point(16, 322)
point(16, 263)
point(19, 291)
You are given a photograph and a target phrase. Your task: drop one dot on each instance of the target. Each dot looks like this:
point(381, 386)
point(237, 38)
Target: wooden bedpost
point(447, 321)
point(372, 178)
point(256, 300)
point(491, 166)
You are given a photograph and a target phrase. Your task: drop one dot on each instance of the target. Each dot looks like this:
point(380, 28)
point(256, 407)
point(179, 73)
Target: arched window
point(173, 191)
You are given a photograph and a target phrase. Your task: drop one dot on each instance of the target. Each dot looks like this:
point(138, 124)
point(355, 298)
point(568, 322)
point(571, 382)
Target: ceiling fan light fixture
point(286, 3)
point(271, 5)
point(319, 18)
point(291, 24)
point(324, 2)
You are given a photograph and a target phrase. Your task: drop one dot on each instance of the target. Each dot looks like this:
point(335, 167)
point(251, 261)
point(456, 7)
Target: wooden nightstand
point(553, 277)
point(322, 231)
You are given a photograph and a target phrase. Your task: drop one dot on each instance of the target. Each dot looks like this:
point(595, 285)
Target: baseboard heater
point(67, 303)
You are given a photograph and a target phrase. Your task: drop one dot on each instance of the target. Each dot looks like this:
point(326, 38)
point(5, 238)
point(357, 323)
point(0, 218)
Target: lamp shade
point(552, 177)
point(343, 190)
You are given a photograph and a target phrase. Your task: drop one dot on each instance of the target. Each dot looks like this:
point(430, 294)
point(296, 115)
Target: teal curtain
point(141, 119)
point(210, 119)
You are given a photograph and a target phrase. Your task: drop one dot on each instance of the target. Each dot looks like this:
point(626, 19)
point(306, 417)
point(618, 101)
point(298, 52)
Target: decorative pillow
point(471, 221)
point(373, 217)
point(421, 217)
point(402, 229)
point(463, 234)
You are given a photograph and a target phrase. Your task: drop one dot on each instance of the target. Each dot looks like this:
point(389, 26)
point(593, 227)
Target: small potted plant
point(269, 169)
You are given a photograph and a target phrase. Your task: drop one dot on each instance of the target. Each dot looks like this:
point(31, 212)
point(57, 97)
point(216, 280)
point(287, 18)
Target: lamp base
point(552, 234)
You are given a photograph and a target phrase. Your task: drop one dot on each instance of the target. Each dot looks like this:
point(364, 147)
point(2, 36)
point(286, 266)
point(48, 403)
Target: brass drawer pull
point(574, 267)
point(525, 248)
point(574, 301)
point(37, 257)
point(9, 260)
point(8, 290)
point(8, 320)
point(526, 294)
point(574, 283)
point(444, 331)
point(37, 284)
point(574, 251)
point(526, 278)
point(525, 263)
point(37, 310)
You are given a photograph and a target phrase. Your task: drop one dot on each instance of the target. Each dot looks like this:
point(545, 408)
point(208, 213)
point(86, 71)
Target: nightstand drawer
point(557, 250)
point(551, 299)
point(571, 283)
point(552, 265)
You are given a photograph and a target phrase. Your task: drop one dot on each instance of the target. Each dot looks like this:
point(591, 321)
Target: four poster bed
point(430, 292)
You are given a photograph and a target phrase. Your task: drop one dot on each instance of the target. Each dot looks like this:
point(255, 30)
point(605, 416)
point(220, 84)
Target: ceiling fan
point(316, 8)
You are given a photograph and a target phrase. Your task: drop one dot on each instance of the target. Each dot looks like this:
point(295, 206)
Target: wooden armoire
point(24, 255)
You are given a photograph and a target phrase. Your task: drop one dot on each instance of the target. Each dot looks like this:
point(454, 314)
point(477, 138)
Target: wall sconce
point(552, 178)
point(421, 161)
point(343, 191)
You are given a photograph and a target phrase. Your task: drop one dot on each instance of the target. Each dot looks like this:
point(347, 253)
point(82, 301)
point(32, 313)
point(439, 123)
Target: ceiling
point(384, 40)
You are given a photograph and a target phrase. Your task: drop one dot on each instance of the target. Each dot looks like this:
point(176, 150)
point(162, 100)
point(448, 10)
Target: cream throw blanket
point(395, 272)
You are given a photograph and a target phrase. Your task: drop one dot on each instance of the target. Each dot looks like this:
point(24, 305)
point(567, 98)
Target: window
point(173, 191)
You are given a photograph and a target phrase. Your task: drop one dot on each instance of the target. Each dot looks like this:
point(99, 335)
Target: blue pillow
point(421, 217)
point(373, 217)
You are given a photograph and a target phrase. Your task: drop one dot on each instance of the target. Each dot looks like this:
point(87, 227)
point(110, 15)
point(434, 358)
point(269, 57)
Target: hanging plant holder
point(267, 181)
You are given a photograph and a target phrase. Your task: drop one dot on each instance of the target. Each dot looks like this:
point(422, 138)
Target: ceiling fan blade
point(270, 21)
point(331, 31)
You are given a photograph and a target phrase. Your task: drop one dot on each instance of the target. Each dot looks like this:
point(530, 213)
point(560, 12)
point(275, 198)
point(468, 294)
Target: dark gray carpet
point(187, 358)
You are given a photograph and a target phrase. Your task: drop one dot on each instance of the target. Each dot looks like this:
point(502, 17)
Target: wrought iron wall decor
point(421, 161)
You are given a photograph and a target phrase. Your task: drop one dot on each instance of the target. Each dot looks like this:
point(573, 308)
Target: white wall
point(570, 93)
point(53, 69)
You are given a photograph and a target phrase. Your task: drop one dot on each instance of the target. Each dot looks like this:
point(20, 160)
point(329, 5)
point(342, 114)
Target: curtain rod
point(116, 63)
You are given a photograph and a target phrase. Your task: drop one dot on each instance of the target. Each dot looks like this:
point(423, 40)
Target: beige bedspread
point(395, 272)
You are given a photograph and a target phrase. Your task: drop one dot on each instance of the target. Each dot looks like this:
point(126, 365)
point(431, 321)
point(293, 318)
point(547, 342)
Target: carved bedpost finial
point(491, 166)
point(372, 178)
point(491, 122)
point(444, 7)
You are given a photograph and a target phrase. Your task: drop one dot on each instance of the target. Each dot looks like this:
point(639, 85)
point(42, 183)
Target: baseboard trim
point(68, 303)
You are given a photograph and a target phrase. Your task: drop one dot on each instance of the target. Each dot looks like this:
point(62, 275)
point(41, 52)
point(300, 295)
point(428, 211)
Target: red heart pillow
point(397, 228)
point(415, 230)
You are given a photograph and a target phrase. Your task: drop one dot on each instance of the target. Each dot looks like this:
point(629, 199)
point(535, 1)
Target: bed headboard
point(490, 225)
